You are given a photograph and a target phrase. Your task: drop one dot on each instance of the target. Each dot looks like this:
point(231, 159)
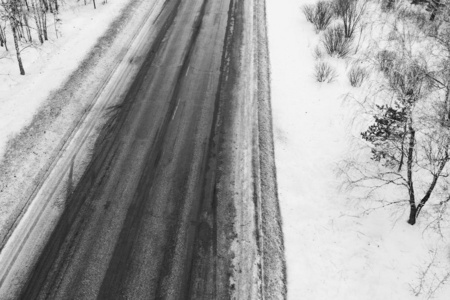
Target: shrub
point(407, 77)
point(386, 60)
point(357, 75)
point(320, 14)
point(324, 72)
point(351, 12)
point(335, 42)
point(318, 53)
point(418, 17)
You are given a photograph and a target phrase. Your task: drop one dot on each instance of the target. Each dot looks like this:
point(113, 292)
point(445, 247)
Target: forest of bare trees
point(25, 23)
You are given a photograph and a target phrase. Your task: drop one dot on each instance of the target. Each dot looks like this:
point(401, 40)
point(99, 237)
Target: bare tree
point(408, 138)
point(12, 10)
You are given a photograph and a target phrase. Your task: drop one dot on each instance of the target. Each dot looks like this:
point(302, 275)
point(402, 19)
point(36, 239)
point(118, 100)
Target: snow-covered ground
point(48, 66)
point(333, 251)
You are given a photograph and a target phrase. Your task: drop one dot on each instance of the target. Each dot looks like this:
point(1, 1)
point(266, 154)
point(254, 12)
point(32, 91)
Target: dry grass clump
point(357, 75)
point(320, 14)
point(386, 59)
point(350, 12)
point(318, 53)
point(324, 72)
point(335, 42)
point(309, 12)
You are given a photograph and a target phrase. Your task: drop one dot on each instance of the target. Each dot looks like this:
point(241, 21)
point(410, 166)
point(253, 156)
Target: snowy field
point(333, 249)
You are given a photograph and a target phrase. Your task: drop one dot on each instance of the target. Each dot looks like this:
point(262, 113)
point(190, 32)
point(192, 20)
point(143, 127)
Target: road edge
point(273, 258)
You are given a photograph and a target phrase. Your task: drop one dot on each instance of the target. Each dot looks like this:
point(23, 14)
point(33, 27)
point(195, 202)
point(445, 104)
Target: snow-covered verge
point(41, 110)
point(47, 66)
point(333, 249)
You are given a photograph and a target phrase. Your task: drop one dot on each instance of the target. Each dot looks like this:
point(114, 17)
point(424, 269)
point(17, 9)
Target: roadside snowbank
point(333, 251)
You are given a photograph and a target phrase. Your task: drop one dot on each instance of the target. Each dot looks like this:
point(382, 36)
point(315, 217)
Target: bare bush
point(385, 59)
point(324, 72)
point(432, 278)
point(418, 17)
point(357, 75)
point(351, 12)
point(320, 14)
point(335, 42)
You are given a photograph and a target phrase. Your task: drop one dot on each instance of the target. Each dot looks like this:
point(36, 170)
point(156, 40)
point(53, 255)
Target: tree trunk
point(44, 2)
point(43, 16)
point(16, 44)
point(95, 7)
point(447, 106)
point(412, 215)
point(402, 156)
point(409, 166)
point(3, 38)
point(37, 18)
point(433, 183)
point(55, 21)
point(27, 26)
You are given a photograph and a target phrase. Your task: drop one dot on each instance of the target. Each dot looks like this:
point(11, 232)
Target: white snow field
point(333, 251)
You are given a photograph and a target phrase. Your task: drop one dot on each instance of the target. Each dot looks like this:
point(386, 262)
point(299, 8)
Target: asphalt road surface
point(142, 222)
point(131, 224)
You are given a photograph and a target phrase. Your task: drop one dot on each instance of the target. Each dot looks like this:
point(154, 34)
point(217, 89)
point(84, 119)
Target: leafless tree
point(409, 138)
point(11, 9)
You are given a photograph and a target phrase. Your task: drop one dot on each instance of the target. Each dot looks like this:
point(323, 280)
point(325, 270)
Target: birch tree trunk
point(16, 45)
point(37, 19)
point(3, 41)
point(409, 167)
point(43, 17)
